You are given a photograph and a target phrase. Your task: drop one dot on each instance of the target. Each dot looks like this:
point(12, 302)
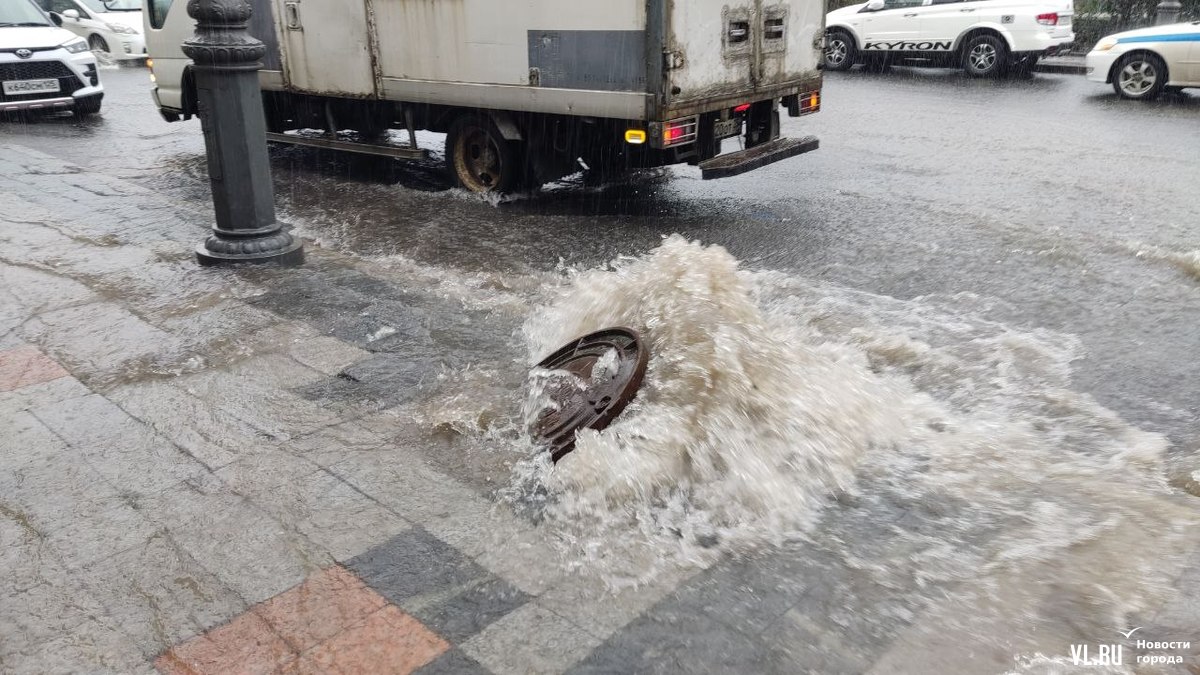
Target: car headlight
point(118, 28)
point(76, 46)
point(1105, 44)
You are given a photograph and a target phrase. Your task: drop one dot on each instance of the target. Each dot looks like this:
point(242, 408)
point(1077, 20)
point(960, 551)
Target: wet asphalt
point(1048, 197)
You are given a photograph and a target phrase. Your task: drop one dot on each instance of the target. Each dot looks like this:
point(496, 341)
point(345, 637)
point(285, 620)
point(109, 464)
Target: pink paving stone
point(389, 642)
point(244, 646)
point(322, 606)
point(26, 365)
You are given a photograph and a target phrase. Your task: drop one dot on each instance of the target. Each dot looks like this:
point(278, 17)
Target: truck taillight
point(810, 102)
point(1048, 19)
point(678, 132)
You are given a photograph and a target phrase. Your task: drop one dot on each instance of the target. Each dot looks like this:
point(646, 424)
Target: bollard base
point(292, 254)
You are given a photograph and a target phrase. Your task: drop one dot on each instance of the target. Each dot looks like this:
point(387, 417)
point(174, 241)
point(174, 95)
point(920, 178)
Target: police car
point(1142, 63)
point(984, 37)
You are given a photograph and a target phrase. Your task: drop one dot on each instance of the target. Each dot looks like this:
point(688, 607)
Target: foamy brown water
point(936, 452)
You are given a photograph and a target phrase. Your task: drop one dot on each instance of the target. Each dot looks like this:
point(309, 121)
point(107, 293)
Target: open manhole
point(603, 372)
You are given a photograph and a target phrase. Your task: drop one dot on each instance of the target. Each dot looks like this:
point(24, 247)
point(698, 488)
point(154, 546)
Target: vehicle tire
point(480, 159)
point(840, 52)
point(88, 105)
point(98, 44)
point(985, 55)
point(1140, 76)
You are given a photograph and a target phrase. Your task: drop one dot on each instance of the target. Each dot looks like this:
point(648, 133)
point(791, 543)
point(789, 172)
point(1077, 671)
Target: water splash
point(771, 403)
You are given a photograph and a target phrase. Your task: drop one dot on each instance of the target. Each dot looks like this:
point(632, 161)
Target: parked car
point(984, 37)
point(111, 27)
point(1143, 63)
point(42, 66)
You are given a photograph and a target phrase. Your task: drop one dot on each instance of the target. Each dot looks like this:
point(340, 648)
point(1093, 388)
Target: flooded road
point(944, 367)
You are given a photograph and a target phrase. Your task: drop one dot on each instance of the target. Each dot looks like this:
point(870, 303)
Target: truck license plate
point(726, 128)
point(18, 87)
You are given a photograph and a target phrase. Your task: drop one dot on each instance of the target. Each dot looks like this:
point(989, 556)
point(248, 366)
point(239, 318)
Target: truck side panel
point(326, 46)
point(485, 41)
point(719, 48)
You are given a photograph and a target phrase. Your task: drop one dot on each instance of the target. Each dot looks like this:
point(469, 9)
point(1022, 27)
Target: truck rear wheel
point(479, 158)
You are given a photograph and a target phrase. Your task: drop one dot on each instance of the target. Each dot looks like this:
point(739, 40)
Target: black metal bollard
point(227, 59)
point(1168, 12)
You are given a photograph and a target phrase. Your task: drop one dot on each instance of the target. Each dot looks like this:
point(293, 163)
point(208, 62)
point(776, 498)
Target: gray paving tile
point(590, 603)
point(43, 613)
point(530, 641)
point(218, 322)
point(414, 564)
point(279, 414)
point(54, 490)
point(501, 542)
point(671, 642)
point(749, 594)
point(264, 471)
point(336, 443)
point(460, 616)
point(101, 342)
point(91, 647)
point(332, 514)
point(249, 551)
point(27, 440)
point(196, 426)
point(36, 291)
point(276, 371)
point(111, 526)
point(453, 662)
point(126, 452)
point(327, 354)
point(44, 393)
point(26, 559)
point(159, 595)
point(381, 381)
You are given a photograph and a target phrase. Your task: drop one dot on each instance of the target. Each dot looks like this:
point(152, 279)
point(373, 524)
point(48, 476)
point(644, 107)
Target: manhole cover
point(606, 368)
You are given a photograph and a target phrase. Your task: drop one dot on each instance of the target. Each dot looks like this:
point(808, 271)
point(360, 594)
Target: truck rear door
point(721, 49)
point(326, 46)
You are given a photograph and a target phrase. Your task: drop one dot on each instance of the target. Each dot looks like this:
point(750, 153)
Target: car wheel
point(985, 56)
point(98, 44)
point(840, 52)
point(88, 105)
point(480, 159)
point(1141, 77)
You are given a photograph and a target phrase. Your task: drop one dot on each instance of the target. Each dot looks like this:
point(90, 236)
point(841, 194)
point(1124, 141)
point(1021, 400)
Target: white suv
point(111, 27)
point(43, 67)
point(985, 37)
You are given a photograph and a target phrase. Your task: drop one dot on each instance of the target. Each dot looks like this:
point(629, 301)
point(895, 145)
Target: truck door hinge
point(673, 60)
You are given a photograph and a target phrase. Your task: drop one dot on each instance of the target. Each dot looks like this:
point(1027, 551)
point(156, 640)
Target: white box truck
point(527, 91)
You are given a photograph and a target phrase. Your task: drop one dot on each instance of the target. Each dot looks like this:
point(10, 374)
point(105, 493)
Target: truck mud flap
point(734, 163)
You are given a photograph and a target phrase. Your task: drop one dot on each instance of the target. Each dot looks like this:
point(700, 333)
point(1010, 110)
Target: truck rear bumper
point(734, 163)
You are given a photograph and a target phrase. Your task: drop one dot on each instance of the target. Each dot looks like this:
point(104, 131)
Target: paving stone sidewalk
point(207, 471)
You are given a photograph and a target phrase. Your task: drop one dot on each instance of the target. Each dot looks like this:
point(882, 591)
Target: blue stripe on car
point(1178, 37)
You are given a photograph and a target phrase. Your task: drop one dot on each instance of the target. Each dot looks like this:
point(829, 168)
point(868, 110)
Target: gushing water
point(921, 444)
point(743, 426)
point(914, 444)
